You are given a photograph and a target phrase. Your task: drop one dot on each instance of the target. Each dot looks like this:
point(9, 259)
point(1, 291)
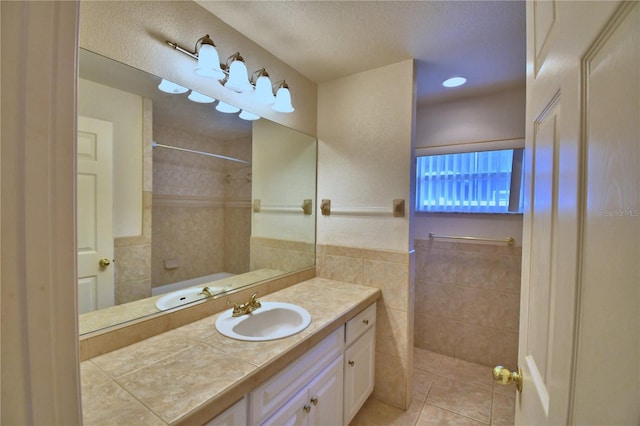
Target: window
point(470, 182)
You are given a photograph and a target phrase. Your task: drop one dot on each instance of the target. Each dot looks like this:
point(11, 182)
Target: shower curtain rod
point(508, 240)
point(208, 154)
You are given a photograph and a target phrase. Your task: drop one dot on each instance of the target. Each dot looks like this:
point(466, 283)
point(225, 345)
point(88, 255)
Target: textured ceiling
point(323, 40)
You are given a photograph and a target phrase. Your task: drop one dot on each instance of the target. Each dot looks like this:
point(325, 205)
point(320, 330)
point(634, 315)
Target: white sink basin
point(273, 320)
point(184, 296)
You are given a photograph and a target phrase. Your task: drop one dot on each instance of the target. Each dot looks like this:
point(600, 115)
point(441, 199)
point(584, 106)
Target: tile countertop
point(193, 373)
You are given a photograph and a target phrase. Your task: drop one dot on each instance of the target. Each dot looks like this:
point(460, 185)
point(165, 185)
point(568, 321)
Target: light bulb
point(454, 82)
point(200, 98)
point(225, 107)
point(246, 115)
point(171, 87)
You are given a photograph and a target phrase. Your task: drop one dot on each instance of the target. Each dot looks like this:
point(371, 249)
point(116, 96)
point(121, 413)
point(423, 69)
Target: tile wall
point(281, 255)
point(390, 272)
point(468, 301)
point(201, 212)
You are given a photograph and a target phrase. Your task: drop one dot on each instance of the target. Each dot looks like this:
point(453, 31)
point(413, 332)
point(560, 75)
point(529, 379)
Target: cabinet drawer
point(357, 325)
point(272, 394)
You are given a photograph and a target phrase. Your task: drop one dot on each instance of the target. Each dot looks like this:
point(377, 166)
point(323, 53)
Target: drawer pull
point(366, 322)
point(314, 401)
point(352, 363)
point(307, 409)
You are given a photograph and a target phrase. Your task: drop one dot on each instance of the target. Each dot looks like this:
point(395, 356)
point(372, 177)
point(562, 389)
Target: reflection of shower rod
point(228, 178)
point(208, 154)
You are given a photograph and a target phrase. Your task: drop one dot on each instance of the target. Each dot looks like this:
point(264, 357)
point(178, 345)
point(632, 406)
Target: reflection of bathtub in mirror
point(114, 315)
point(206, 280)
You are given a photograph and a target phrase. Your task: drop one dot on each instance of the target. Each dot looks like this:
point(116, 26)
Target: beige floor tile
point(432, 416)
point(466, 371)
point(507, 390)
point(503, 410)
point(422, 381)
point(377, 413)
point(463, 398)
point(456, 392)
point(426, 360)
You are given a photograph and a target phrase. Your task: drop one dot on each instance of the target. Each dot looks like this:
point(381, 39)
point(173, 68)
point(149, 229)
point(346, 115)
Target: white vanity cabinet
point(232, 416)
point(281, 397)
point(359, 361)
point(320, 403)
point(327, 385)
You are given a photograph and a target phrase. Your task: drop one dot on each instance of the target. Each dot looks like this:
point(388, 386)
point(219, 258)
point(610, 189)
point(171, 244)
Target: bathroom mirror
point(195, 197)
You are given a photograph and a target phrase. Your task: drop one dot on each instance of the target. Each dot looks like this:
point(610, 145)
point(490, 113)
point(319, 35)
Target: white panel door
point(95, 214)
point(579, 323)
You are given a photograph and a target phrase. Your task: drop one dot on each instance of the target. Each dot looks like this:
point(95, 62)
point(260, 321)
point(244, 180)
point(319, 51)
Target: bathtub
point(167, 288)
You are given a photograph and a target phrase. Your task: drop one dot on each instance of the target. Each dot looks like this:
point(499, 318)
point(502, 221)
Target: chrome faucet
point(246, 308)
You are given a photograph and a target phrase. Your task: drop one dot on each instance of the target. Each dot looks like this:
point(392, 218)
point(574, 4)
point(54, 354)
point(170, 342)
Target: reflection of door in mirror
point(95, 221)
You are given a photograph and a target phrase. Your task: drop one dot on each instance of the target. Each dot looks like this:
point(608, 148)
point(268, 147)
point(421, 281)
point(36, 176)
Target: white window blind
point(469, 182)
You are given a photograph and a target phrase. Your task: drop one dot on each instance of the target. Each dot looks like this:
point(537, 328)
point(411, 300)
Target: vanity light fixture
point(225, 107)
point(454, 82)
point(246, 115)
point(171, 87)
point(200, 98)
point(233, 75)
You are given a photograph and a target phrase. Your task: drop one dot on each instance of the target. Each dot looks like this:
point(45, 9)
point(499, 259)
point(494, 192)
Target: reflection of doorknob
point(104, 262)
point(504, 376)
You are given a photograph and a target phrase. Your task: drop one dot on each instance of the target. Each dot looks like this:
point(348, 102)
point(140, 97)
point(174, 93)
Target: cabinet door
point(325, 396)
point(294, 413)
point(359, 373)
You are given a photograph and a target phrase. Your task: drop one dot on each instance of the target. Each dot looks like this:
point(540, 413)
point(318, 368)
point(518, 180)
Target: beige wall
point(496, 117)
point(284, 165)
point(125, 111)
point(365, 147)
point(365, 155)
point(135, 33)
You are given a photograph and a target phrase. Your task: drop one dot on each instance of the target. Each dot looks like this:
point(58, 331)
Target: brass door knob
point(307, 409)
point(314, 401)
point(352, 363)
point(104, 262)
point(504, 376)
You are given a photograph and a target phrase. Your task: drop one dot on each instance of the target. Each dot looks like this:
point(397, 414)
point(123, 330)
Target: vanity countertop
point(193, 373)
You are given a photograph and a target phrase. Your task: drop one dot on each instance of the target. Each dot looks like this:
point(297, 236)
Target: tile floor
point(446, 391)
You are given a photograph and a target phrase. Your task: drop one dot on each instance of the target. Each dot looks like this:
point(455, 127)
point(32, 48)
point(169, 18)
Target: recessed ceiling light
point(454, 82)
